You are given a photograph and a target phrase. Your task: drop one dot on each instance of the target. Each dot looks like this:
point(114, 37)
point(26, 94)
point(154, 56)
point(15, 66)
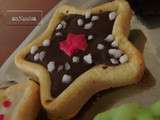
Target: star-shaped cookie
point(68, 78)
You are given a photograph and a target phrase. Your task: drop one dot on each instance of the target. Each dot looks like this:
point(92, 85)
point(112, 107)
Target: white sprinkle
point(94, 18)
point(33, 49)
point(88, 26)
point(42, 55)
point(90, 37)
point(123, 59)
point(109, 38)
point(46, 43)
point(51, 66)
point(115, 52)
point(112, 15)
point(114, 44)
point(100, 46)
point(58, 34)
point(80, 22)
point(67, 66)
point(114, 61)
point(36, 57)
point(66, 78)
point(88, 58)
point(60, 67)
point(88, 14)
point(64, 24)
point(59, 27)
point(75, 59)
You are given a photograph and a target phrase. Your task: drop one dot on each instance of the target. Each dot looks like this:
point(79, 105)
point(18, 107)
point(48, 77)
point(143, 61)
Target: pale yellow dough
point(25, 101)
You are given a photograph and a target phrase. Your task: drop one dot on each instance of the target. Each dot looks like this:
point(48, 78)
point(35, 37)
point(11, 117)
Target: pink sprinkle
point(1, 116)
point(73, 44)
point(6, 103)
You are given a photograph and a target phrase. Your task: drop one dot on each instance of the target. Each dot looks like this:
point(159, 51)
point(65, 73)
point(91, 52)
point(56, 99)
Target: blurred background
point(12, 36)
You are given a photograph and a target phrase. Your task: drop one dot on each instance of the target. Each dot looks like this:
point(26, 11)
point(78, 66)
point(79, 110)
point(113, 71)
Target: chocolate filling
point(100, 30)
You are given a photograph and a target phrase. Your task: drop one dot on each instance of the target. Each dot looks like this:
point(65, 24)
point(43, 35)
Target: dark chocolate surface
point(100, 30)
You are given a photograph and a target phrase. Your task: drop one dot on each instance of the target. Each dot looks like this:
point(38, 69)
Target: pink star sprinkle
point(73, 43)
point(6, 103)
point(1, 116)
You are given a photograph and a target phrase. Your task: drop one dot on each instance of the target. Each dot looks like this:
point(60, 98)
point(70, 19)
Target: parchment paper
point(145, 92)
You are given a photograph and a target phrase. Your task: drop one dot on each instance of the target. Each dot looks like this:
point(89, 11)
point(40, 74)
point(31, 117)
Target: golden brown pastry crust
point(68, 103)
point(25, 101)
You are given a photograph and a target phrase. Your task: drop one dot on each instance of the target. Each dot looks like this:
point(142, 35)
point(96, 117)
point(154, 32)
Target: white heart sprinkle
point(33, 49)
point(58, 34)
point(94, 18)
point(80, 22)
point(42, 55)
point(114, 61)
point(100, 46)
point(51, 66)
point(88, 58)
point(36, 57)
point(114, 44)
point(109, 38)
point(88, 14)
point(67, 66)
point(60, 67)
point(64, 24)
point(46, 43)
point(123, 59)
point(115, 52)
point(112, 15)
point(59, 27)
point(66, 78)
point(75, 59)
point(90, 37)
point(88, 26)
